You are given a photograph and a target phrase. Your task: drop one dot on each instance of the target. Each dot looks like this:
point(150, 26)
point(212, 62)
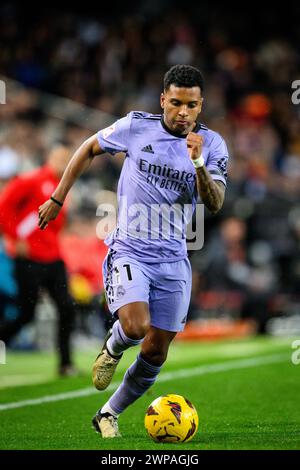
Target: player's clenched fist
point(194, 144)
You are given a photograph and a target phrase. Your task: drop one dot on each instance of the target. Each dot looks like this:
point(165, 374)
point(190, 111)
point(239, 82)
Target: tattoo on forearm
point(209, 191)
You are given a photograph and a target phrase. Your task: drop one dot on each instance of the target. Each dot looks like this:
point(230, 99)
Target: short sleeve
point(114, 139)
point(218, 159)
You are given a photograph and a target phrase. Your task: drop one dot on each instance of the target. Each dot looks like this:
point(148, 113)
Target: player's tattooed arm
point(80, 162)
point(211, 192)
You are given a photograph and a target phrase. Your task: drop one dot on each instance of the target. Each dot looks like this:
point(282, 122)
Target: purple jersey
point(157, 174)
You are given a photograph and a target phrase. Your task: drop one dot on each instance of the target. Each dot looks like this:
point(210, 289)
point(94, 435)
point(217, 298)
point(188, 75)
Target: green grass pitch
point(246, 393)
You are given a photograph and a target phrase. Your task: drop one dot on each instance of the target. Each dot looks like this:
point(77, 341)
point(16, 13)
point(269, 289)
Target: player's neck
point(195, 128)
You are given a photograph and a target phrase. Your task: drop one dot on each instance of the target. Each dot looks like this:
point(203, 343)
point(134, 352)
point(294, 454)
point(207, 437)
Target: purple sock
point(119, 342)
point(138, 378)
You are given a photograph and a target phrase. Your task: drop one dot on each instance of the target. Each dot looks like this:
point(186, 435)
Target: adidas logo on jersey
point(148, 149)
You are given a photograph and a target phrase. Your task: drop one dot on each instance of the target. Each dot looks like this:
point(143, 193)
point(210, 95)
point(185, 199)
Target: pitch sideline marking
point(164, 377)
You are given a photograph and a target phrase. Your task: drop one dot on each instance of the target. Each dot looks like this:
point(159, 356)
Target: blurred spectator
point(227, 267)
point(8, 288)
point(83, 254)
point(38, 260)
point(9, 165)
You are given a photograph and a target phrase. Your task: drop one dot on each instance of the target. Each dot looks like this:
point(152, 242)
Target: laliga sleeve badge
point(108, 130)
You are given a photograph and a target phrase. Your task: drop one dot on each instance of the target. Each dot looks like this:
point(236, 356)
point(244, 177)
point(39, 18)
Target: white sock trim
point(110, 349)
point(107, 409)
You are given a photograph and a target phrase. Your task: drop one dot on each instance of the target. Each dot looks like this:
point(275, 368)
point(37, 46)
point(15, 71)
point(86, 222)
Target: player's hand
point(48, 211)
point(21, 248)
point(194, 144)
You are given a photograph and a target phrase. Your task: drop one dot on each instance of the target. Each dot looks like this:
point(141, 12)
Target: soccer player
point(37, 257)
point(170, 160)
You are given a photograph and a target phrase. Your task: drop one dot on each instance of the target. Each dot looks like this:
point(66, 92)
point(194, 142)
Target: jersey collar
point(175, 134)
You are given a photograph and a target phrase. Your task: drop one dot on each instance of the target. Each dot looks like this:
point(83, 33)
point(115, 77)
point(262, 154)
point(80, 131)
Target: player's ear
point(201, 103)
point(162, 100)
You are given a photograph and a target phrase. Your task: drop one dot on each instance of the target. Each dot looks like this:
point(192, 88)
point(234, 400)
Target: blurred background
point(72, 71)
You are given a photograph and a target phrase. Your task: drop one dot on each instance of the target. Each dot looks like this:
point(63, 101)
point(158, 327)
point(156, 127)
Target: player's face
point(181, 108)
point(59, 159)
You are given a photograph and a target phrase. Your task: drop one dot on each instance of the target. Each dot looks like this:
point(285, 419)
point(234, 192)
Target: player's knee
point(136, 329)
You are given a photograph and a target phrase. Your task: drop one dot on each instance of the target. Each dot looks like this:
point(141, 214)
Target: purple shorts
point(166, 287)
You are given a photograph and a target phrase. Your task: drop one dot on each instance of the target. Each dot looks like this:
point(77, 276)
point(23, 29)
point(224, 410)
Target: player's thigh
point(126, 283)
point(170, 297)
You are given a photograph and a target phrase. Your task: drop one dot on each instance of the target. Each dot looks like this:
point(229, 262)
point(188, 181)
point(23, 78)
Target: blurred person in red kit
point(38, 260)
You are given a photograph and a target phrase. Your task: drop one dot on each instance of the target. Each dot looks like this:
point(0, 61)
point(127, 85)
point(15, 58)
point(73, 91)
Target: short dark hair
point(185, 76)
point(61, 142)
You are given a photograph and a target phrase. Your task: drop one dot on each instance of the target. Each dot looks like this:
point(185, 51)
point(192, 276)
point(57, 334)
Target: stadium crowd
point(250, 263)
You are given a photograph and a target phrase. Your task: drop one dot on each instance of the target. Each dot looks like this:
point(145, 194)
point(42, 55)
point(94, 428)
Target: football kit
point(157, 194)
